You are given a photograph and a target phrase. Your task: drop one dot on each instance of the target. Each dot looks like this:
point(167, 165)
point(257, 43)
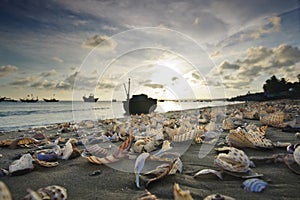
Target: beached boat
point(138, 104)
point(90, 98)
point(30, 99)
point(51, 99)
point(7, 99)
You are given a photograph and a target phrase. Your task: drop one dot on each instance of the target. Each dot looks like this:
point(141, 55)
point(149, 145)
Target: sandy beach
point(85, 180)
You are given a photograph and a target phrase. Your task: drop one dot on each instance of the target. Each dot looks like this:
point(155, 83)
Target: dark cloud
point(7, 69)
point(103, 42)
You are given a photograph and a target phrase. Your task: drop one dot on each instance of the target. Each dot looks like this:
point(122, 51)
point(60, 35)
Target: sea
point(21, 115)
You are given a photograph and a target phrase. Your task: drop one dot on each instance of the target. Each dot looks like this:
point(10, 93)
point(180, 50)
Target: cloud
point(102, 42)
point(259, 62)
point(49, 73)
point(57, 59)
point(154, 85)
point(7, 69)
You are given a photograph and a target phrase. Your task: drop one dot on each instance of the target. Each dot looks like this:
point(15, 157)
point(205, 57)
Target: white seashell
point(24, 163)
point(209, 171)
point(235, 161)
point(297, 154)
point(67, 151)
point(218, 197)
point(4, 192)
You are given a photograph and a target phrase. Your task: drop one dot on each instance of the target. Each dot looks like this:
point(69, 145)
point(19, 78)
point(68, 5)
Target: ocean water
point(20, 115)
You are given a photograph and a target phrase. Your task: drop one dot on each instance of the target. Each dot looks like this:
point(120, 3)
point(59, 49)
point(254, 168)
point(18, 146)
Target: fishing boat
point(30, 99)
point(90, 98)
point(138, 104)
point(7, 99)
point(51, 99)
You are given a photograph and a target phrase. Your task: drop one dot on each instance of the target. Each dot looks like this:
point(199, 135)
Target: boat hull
point(139, 104)
point(85, 99)
point(51, 100)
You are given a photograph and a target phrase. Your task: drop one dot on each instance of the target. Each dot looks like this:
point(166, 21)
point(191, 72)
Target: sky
point(169, 49)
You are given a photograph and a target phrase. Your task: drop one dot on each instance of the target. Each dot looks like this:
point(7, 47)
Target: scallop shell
point(180, 194)
point(24, 164)
point(254, 185)
point(235, 161)
point(4, 192)
point(273, 119)
point(218, 197)
point(49, 192)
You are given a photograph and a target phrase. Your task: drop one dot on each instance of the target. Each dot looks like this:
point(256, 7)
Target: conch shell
point(235, 161)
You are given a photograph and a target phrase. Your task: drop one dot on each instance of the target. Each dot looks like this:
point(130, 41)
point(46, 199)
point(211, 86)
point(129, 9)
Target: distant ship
point(138, 104)
point(91, 98)
point(7, 99)
point(29, 99)
point(51, 99)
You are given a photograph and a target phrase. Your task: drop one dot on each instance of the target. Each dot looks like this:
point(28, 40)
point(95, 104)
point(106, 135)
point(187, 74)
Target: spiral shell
point(49, 192)
point(4, 192)
point(254, 185)
point(235, 161)
point(273, 119)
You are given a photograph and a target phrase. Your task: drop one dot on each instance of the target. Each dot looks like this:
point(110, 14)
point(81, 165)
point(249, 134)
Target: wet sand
point(74, 175)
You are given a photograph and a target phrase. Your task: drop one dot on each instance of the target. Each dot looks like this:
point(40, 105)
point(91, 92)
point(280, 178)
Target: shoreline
point(75, 174)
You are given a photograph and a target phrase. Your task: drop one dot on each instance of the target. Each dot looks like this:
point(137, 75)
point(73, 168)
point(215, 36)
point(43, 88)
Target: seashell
point(297, 135)
point(5, 143)
point(258, 140)
point(49, 192)
point(48, 156)
point(254, 185)
point(3, 172)
point(180, 194)
point(23, 165)
point(218, 197)
point(177, 166)
point(67, 151)
point(273, 119)
point(237, 138)
point(46, 164)
point(23, 141)
point(235, 161)
point(296, 154)
point(228, 124)
point(209, 171)
point(184, 137)
point(116, 156)
point(253, 114)
point(4, 192)
point(96, 149)
point(147, 144)
point(146, 195)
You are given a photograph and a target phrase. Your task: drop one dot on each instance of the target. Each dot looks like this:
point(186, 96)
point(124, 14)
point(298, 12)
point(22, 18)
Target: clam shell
point(24, 164)
point(180, 194)
point(254, 185)
point(4, 192)
point(235, 161)
point(218, 197)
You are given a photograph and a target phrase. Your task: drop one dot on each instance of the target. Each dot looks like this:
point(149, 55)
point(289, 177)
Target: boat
point(2, 98)
point(90, 98)
point(138, 104)
point(114, 100)
point(29, 99)
point(7, 99)
point(51, 99)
